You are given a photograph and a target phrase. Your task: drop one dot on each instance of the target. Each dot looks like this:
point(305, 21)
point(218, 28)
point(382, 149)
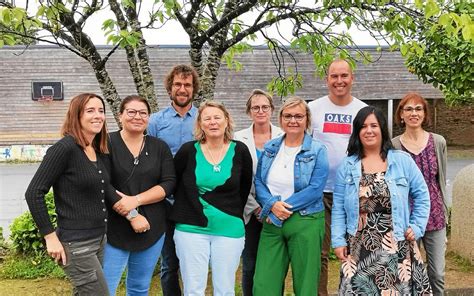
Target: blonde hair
point(199, 134)
point(292, 102)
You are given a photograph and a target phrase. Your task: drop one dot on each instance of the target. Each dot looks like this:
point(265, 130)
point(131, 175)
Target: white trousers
point(195, 251)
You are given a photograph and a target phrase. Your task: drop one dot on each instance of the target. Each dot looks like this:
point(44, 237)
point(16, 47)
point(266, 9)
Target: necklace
point(415, 146)
point(290, 155)
point(216, 167)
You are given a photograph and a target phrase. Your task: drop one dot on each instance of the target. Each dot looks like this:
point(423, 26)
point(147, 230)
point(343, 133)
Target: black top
point(229, 197)
point(154, 166)
point(80, 190)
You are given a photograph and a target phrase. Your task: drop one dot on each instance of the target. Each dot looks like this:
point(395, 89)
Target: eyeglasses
point(417, 109)
point(264, 108)
point(132, 113)
point(297, 117)
point(178, 85)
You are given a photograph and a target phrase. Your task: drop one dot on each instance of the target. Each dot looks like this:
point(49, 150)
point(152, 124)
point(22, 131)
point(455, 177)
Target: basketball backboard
point(52, 90)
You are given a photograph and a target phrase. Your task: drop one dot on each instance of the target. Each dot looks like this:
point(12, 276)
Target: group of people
point(180, 185)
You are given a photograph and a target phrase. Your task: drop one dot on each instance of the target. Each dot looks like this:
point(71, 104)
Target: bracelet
point(138, 199)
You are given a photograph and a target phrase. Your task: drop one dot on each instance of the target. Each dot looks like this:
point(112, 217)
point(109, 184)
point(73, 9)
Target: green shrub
point(3, 245)
point(27, 257)
point(25, 235)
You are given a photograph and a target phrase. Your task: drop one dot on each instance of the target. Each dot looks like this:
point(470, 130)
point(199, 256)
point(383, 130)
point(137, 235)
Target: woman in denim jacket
point(289, 182)
point(374, 222)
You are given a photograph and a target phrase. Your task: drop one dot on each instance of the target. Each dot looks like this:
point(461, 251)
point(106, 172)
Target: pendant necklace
point(288, 156)
point(216, 167)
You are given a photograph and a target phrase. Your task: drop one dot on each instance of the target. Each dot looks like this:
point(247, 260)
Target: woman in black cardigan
point(214, 177)
point(75, 169)
point(142, 171)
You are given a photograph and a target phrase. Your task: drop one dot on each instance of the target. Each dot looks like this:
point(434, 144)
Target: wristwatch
point(132, 214)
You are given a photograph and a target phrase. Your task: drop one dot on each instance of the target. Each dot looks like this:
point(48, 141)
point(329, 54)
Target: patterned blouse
point(428, 165)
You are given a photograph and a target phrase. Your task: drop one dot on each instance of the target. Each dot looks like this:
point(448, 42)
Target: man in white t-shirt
point(332, 118)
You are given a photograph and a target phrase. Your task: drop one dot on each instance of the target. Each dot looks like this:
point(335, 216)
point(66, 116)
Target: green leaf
point(444, 19)
point(348, 22)
point(6, 17)
point(128, 4)
point(123, 33)
point(41, 11)
point(8, 39)
point(431, 8)
point(404, 49)
point(108, 24)
point(132, 40)
point(468, 33)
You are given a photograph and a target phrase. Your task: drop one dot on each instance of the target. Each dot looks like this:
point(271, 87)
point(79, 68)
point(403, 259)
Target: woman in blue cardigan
point(381, 206)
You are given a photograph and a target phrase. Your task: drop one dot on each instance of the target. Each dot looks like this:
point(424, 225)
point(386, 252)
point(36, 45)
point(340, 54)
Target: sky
point(173, 34)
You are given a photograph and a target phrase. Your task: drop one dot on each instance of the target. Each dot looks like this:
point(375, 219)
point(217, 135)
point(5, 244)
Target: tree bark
point(209, 75)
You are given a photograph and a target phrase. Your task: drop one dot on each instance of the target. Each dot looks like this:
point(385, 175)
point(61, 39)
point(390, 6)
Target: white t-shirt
point(332, 125)
point(280, 180)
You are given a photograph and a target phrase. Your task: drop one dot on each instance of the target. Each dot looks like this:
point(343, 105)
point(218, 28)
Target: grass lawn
point(459, 274)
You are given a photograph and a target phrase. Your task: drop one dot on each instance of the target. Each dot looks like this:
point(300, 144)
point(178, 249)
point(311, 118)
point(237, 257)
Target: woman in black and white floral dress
point(373, 227)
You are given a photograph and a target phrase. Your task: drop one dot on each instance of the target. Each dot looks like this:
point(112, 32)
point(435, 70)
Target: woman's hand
point(125, 204)
point(280, 210)
point(140, 224)
point(54, 248)
point(341, 253)
point(410, 234)
point(257, 212)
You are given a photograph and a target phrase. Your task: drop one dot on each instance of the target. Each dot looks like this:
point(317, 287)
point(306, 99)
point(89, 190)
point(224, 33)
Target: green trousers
point(298, 243)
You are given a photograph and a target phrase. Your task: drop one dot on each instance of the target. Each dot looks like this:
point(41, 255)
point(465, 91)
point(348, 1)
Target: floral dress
point(377, 264)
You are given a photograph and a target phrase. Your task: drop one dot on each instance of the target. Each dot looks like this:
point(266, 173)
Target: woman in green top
point(214, 178)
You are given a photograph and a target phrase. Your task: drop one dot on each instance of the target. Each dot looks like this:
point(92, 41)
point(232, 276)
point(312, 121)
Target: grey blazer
point(442, 157)
point(246, 136)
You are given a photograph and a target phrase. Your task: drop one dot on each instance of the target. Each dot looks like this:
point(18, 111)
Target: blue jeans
point(196, 251)
point(140, 266)
point(249, 255)
point(169, 265)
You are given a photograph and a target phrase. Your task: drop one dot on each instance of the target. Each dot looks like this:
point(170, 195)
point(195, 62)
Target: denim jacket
point(311, 172)
point(403, 179)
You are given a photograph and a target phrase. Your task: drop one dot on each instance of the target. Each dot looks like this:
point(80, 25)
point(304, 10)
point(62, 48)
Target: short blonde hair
point(199, 133)
point(259, 92)
point(292, 102)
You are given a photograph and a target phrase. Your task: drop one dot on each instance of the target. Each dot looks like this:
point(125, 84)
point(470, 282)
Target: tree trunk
point(106, 85)
point(148, 82)
point(209, 75)
point(137, 57)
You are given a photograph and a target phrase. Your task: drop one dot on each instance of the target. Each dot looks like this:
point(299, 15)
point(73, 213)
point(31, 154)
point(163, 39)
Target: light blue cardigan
point(403, 178)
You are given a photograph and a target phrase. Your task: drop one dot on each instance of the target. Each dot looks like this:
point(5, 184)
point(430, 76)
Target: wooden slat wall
point(23, 121)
